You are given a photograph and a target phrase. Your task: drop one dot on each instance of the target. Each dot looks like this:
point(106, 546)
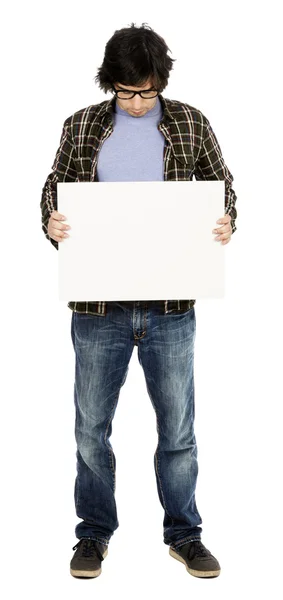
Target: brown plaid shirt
point(191, 148)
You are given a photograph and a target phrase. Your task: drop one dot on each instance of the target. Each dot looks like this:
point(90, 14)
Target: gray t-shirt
point(134, 151)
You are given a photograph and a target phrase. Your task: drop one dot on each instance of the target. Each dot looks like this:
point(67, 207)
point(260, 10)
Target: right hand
point(56, 229)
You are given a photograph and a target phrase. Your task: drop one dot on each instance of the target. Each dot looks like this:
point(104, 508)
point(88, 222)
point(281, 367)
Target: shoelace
point(89, 547)
point(196, 548)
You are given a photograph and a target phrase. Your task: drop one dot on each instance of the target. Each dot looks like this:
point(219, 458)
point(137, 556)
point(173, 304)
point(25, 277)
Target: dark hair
point(132, 55)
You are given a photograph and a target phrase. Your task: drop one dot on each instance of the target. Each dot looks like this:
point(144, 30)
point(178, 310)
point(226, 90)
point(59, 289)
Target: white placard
point(142, 240)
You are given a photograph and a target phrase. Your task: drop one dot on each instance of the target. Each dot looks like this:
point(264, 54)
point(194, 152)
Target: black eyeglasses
point(128, 94)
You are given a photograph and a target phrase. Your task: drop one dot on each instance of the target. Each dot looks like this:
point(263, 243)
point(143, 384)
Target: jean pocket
point(181, 311)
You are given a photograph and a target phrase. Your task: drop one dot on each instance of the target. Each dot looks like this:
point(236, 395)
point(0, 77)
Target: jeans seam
point(110, 451)
point(156, 455)
point(157, 460)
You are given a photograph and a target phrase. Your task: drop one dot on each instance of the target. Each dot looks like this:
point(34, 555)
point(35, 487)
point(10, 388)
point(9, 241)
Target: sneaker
point(198, 560)
point(87, 559)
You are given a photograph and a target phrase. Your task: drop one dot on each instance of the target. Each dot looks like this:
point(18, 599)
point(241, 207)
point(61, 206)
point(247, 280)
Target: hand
point(225, 231)
point(56, 229)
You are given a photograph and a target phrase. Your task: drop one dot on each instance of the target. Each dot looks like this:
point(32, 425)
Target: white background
point(228, 65)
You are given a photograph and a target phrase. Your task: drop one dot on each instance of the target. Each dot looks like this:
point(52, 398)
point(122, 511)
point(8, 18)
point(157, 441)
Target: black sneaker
point(87, 559)
point(198, 560)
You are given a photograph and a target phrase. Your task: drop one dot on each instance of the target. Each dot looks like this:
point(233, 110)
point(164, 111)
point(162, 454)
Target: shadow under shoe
point(198, 559)
point(87, 559)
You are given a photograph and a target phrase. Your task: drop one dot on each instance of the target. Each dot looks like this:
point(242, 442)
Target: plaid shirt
point(191, 148)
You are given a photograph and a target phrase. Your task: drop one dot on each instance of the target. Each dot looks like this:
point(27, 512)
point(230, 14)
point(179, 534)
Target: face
point(136, 106)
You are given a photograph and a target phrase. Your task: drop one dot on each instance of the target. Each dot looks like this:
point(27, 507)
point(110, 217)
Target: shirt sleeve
point(211, 165)
point(63, 169)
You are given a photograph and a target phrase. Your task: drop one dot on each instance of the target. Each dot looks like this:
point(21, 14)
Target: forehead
point(145, 86)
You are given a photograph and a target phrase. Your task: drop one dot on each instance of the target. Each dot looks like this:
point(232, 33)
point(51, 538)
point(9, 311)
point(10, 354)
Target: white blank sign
point(142, 240)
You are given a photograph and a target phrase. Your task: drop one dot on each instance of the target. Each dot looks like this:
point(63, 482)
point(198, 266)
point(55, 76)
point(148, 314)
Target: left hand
point(225, 231)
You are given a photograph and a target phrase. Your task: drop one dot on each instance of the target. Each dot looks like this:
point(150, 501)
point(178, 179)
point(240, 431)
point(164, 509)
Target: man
point(138, 135)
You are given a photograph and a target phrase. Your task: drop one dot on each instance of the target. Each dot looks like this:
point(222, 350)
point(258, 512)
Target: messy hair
point(133, 55)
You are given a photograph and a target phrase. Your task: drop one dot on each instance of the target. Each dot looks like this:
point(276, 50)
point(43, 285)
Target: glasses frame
point(134, 93)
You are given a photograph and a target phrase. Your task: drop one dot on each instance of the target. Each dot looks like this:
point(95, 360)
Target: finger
point(225, 219)
point(58, 230)
point(59, 226)
point(223, 236)
point(223, 228)
point(223, 232)
point(58, 216)
point(59, 233)
point(57, 238)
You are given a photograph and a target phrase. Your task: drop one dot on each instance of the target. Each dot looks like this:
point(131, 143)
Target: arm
point(211, 165)
point(63, 169)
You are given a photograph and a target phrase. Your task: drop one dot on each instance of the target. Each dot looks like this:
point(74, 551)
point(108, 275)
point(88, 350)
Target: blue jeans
point(103, 348)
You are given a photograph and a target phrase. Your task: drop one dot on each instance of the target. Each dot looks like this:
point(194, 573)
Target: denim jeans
point(103, 348)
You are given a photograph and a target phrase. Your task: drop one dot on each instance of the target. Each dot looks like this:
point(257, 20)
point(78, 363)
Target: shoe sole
point(88, 573)
point(193, 571)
